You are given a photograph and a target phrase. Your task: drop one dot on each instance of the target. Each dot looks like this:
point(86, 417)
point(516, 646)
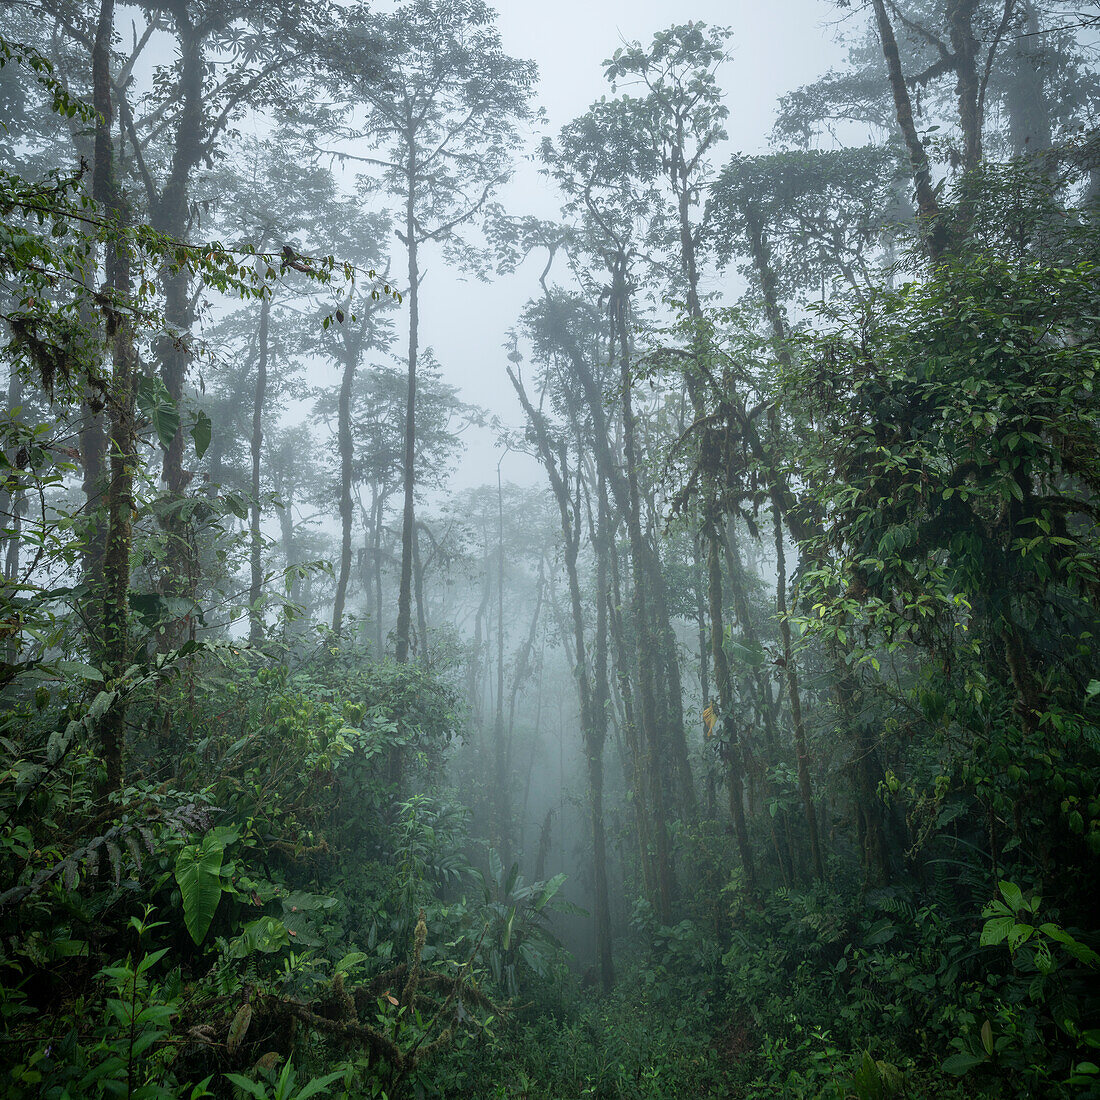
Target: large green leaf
point(155, 401)
point(550, 889)
point(961, 1063)
point(198, 868)
point(266, 934)
point(201, 432)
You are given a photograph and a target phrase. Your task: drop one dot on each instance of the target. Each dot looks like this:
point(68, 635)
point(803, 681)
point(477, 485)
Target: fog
point(549, 551)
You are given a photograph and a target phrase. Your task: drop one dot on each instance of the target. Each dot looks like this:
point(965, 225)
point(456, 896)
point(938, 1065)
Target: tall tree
point(446, 116)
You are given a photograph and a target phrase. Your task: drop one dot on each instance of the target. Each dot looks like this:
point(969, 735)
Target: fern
point(135, 837)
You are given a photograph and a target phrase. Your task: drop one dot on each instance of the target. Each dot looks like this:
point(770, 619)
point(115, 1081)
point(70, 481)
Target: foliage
point(860, 866)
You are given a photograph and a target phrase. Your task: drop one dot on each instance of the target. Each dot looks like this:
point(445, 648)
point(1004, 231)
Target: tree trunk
point(170, 214)
point(593, 705)
point(960, 19)
point(255, 591)
point(500, 751)
point(115, 618)
point(378, 512)
point(601, 698)
point(408, 518)
point(14, 501)
point(927, 205)
point(418, 587)
point(647, 643)
point(344, 444)
point(734, 753)
point(1029, 111)
point(704, 666)
point(805, 788)
point(93, 461)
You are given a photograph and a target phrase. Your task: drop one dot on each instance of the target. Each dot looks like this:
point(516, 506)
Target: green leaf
point(79, 670)
point(155, 401)
point(197, 874)
point(238, 1028)
point(882, 931)
point(1019, 935)
point(550, 889)
point(959, 1064)
point(201, 432)
point(318, 1085)
point(266, 935)
point(236, 505)
point(60, 741)
point(1012, 894)
point(300, 900)
point(987, 1037)
point(251, 1087)
point(351, 960)
point(996, 930)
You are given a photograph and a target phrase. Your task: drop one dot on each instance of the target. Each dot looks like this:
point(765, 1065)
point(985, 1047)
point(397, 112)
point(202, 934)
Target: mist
point(549, 552)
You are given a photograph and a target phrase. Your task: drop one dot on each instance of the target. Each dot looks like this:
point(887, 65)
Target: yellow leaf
point(708, 720)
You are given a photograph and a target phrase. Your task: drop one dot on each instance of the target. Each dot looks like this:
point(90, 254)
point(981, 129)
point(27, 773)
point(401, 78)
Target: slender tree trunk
point(344, 444)
point(734, 752)
point(93, 461)
point(473, 680)
point(635, 765)
point(421, 610)
point(805, 788)
point(408, 518)
point(523, 659)
point(500, 750)
point(960, 20)
point(927, 204)
point(647, 644)
point(761, 686)
point(601, 698)
point(1029, 109)
point(378, 505)
point(290, 545)
point(170, 214)
point(704, 666)
point(593, 704)
point(255, 591)
point(13, 501)
point(122, 446)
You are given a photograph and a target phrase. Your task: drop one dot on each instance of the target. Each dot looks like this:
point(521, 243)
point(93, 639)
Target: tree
point(51, 334)
point(968, 523)
point(446, 115)
point(370, 412)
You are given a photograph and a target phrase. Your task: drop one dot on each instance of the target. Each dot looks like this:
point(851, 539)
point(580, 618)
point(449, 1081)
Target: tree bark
point(255, 590)
point(647, 643)
point(122, 445)
point(408, 517)
point(960, 20)
point(418, 591)
point(344, 445)
point(170, 214)
point(927, 204)
point(500, 751)
point(733, 750)
point(805, 787)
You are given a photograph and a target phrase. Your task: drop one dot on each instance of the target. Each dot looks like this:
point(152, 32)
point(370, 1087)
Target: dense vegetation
point(755, 752)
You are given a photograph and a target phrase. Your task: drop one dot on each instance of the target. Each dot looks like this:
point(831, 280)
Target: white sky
point(775, 47)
